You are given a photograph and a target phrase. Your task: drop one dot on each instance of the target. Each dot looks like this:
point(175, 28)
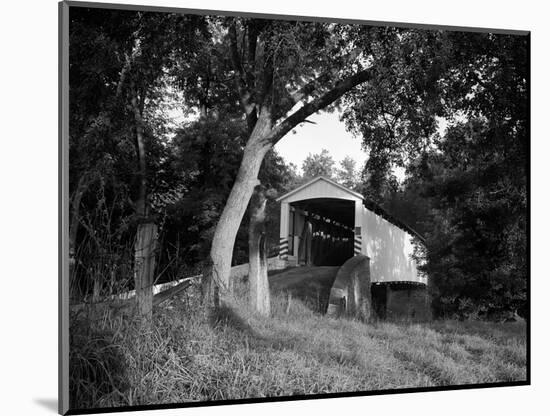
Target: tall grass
point(233, 353)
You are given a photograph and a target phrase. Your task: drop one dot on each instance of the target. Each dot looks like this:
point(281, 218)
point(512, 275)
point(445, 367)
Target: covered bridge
point(326, 224)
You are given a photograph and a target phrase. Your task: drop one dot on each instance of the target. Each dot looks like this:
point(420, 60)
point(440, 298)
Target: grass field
point(188, 356)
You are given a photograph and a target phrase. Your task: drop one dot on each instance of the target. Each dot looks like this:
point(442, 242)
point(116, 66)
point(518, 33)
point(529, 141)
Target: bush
point(97, 365)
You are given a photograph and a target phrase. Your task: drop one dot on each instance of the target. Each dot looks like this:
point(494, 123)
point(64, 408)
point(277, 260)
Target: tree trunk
point(216, 275)
point(146, 235)
point(144, 268)
point(257, 254)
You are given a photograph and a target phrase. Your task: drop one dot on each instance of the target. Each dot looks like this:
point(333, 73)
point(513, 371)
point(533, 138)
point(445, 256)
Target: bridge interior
point(322, 231)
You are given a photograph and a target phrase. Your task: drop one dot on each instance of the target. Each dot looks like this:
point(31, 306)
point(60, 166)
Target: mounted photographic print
point(263, 208)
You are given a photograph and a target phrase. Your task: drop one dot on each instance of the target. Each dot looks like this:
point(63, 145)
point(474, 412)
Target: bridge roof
point(336, 189)
point(331, 189)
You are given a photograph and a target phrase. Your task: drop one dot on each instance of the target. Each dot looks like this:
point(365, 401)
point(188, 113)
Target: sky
point(328, 133)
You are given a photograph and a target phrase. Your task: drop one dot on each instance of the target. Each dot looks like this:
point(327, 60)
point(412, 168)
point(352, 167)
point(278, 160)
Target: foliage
point(119, 61)
point(347, 174)
point(467, 191)
point(96, 366)
point(323, 164)
point(320, 164)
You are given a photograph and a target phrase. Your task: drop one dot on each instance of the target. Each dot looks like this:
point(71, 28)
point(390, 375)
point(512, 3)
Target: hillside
point(189, 356)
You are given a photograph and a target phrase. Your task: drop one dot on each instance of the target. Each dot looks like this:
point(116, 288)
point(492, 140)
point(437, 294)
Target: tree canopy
point(466, 191)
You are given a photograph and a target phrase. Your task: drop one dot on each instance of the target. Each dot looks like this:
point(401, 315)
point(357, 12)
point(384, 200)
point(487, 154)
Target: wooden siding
point(389, 248)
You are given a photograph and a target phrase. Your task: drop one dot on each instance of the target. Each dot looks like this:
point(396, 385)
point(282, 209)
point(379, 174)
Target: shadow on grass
point(282, 339)
point(224, 315)
point(227, 317)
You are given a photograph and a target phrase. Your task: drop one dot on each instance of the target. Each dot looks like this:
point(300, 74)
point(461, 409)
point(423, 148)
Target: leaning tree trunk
point(216, 275)
point(263, 137)
point(257, 253)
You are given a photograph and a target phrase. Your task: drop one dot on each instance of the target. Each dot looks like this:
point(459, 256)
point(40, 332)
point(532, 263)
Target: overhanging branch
point(310, 87)
point(326, 77)
point(339, 89)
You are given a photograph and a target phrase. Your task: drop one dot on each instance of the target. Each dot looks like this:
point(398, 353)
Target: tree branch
point(252, 33)
point(245, 94)
point(267, 81)
point(339, 89)
point(309, 88)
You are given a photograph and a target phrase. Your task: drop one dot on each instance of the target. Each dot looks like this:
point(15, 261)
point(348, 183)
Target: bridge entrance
point(320, 231)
